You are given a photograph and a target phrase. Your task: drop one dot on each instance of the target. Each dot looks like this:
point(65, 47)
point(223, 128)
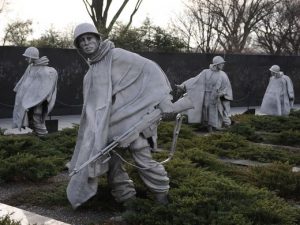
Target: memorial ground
point(244, 175)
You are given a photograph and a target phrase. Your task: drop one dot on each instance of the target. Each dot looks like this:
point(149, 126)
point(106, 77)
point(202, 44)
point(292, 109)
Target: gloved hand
point(180, 88)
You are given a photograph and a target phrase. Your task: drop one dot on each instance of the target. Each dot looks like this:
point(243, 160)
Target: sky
point(62, 14)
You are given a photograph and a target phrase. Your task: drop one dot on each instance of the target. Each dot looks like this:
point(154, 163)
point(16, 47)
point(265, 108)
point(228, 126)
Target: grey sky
point(67, 13)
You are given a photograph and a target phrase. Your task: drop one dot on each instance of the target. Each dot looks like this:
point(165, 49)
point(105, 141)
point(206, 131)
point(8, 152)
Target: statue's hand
point(180, 88)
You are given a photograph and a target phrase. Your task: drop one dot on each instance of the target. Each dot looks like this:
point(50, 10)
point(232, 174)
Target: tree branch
point(116, 16)
point(108, 3)
point(137, 6)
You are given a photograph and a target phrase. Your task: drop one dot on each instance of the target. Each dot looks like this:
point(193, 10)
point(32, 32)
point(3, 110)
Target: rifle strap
point(176, 131)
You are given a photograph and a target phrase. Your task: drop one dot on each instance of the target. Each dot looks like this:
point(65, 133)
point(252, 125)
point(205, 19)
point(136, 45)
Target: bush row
point(28, 157)
point(203, 189)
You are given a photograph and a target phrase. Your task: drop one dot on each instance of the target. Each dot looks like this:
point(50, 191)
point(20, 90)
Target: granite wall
point(248, 74)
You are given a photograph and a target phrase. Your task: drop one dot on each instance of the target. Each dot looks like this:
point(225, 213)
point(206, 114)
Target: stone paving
point(25, 217)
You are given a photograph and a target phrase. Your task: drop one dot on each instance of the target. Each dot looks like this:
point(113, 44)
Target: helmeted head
point(32, 53)
point(82, 29)
point(275, 69)
point(218, 62)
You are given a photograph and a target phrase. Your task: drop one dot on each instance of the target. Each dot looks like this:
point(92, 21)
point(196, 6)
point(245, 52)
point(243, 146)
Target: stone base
point(25, 217)
point(16, 131)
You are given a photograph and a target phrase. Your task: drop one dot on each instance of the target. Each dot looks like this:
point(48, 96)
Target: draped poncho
point(38, 84)
point(208, 86)
point(279, 96)
point(119, 88)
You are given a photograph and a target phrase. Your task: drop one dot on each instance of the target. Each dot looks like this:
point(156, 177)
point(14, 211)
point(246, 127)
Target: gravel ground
point(70, 216)
point(64, 214)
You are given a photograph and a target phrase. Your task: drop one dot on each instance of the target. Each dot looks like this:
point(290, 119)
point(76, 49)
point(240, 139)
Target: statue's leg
point(215, 119)
point(226, 113)
point(30, 122)
point(39, 125)
point(118, 179)
point(154, 176)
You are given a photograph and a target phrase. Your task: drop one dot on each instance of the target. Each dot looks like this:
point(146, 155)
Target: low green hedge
point(277, 177)
point(270, 123)
point(204, 197)
point(25, 166)
point(27, 157)
point(228, 145)
point(204, 190)
point(279, 130)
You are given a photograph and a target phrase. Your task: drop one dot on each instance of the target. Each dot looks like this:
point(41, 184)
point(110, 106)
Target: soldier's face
point(89, 43)
point(29, 60)
point(220, 66)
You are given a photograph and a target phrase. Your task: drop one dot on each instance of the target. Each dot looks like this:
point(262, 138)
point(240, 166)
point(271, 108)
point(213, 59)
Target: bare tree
point(98, 11)
point(237, 19)
point(226, 24)
point(195, 27)
point(279, 33)
point(271, 35)
point(182, 26)
point(293, 33)
point(3, 4)
point(16, 33)
point(203, 34)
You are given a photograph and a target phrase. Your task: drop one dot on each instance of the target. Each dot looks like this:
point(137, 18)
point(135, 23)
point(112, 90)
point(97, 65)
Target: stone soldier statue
point(120, 89)
point(35, 93)
point(211, 93)
point(279, 96)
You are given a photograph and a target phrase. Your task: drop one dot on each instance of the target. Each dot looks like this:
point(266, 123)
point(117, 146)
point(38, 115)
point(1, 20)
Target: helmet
point(84, 28)
point(218, 60)
point(275, 69)
point(31, 52)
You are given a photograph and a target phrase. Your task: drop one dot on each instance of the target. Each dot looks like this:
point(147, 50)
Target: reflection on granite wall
point(249, 75)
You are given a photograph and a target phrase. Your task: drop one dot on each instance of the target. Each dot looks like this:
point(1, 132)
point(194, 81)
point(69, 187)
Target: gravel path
point(70, 216)
point(64, 214)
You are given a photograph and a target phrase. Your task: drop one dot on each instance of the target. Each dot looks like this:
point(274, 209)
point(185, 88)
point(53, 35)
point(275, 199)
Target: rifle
point(127, 137)
point(134, 132)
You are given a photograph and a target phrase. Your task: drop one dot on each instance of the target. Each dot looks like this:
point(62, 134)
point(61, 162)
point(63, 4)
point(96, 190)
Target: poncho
point(279, 97)
point(120, 87)
point(38, 84)
point(209, 84)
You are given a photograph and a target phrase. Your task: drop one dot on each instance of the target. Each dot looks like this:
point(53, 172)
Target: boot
point(162, 198)
point(127, 209)
point(210, 129)
point(128, 205)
